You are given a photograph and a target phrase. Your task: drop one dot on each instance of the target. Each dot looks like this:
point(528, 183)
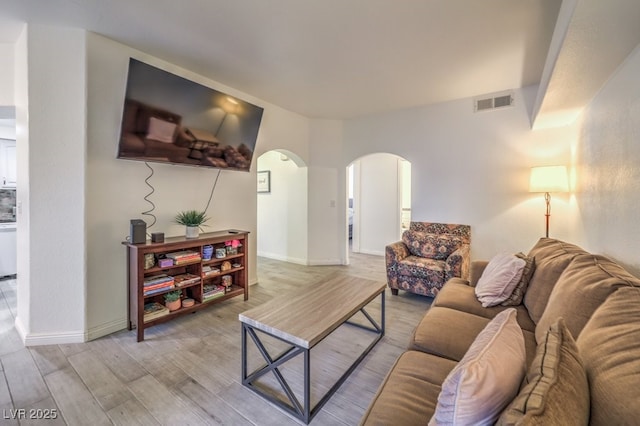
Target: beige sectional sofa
point(600, 304)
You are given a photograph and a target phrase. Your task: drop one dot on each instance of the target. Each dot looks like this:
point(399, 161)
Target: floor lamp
point(548, 179)
point(230, 106)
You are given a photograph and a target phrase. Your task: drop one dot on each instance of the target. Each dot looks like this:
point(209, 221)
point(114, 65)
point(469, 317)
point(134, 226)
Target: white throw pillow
point(487, 378)
point(499, 278)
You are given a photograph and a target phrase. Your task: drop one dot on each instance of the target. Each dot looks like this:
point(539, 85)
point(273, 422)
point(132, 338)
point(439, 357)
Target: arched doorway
point(282, 218)
point(378, 201)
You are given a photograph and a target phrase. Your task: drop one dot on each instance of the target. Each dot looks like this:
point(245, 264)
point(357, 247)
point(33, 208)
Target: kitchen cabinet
point(8, 163)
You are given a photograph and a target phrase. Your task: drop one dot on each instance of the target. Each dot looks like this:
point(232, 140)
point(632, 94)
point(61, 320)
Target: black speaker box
point(138, 231)
point(157, 237)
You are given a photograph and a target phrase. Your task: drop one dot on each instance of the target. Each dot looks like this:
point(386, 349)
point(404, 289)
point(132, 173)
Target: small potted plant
point(172, 300)
point(193, 220)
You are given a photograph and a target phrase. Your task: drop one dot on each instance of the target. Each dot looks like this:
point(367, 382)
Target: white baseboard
point(274, 256)
point(68, 337)
point(40, 339)
point(372, 252)
point(325, 262)
point(304, 262)
point(107, 328)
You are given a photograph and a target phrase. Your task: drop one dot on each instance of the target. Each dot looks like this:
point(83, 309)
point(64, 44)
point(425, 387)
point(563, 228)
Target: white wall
point(608, 167)
point(377, 197)
point(327, 179)
point(473, 168)
point(7, 67)
point(23, 243)
point(50, 82)
point(115, 188)
point(282, 213)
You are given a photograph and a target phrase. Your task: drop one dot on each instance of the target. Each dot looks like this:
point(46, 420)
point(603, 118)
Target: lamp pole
point(547, 199)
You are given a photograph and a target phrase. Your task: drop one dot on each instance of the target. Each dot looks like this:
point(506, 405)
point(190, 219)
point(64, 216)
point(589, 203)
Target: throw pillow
point(557, 392)
point(487, 378)
point(499, 279)
point(431, 246)
point(609, 345)
point(521, 287)
point(160, 130)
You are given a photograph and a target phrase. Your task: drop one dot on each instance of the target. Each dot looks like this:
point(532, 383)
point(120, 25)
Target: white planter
point(192, 231)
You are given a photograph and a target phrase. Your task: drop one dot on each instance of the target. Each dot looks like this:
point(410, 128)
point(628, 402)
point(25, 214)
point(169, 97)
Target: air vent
point(489, 102)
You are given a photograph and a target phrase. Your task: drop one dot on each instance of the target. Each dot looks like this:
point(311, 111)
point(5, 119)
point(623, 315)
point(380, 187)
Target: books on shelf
point(157, 279)
point(158, 290)
point(186, 279)
point(213, 296)
point(157, 284)
point(211, 291)
point(154, 310)
point(166, 284)
point(184, 256)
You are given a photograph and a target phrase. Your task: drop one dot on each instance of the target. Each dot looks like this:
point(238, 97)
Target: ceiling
point(332, 59)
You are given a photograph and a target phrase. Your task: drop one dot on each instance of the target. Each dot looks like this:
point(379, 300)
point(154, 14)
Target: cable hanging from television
point(146, 197)
point(215, 182)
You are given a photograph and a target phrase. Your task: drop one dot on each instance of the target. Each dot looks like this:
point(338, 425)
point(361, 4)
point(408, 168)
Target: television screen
point(169, 119)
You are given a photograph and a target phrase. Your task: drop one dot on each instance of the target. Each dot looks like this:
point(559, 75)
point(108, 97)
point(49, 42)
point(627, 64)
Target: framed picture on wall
point(264, 181)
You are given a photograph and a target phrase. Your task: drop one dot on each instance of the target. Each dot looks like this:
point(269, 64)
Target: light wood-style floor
point(187, 371)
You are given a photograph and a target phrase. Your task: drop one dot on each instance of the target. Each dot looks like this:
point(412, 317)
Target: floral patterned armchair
point(427, 257)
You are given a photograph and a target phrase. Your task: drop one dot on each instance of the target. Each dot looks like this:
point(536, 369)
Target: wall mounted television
point(169, 119)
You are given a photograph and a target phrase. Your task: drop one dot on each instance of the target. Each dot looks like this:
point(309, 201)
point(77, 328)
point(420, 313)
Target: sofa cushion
point(530, 345)
point(446, 332)
point(432, 246)
point(456, 294)
point(488, 376)
point(475, 271)
point(461, 329)
point(410, 391)
point(516, 296)
point(551, 258)
point(499, 279)
point(609, 346)
point(583, 286)
point(557, 392)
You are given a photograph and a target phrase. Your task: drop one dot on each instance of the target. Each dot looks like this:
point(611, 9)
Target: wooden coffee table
point(302, 319)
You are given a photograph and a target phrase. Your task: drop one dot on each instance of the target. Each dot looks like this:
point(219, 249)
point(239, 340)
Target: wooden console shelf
point(196, 266)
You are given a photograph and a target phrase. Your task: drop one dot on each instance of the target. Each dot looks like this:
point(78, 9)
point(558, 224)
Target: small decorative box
point(227, 280)
point(149, 260)
point(165, 262)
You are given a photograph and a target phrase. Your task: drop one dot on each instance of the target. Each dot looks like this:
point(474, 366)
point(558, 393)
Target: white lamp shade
point(549, 179)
